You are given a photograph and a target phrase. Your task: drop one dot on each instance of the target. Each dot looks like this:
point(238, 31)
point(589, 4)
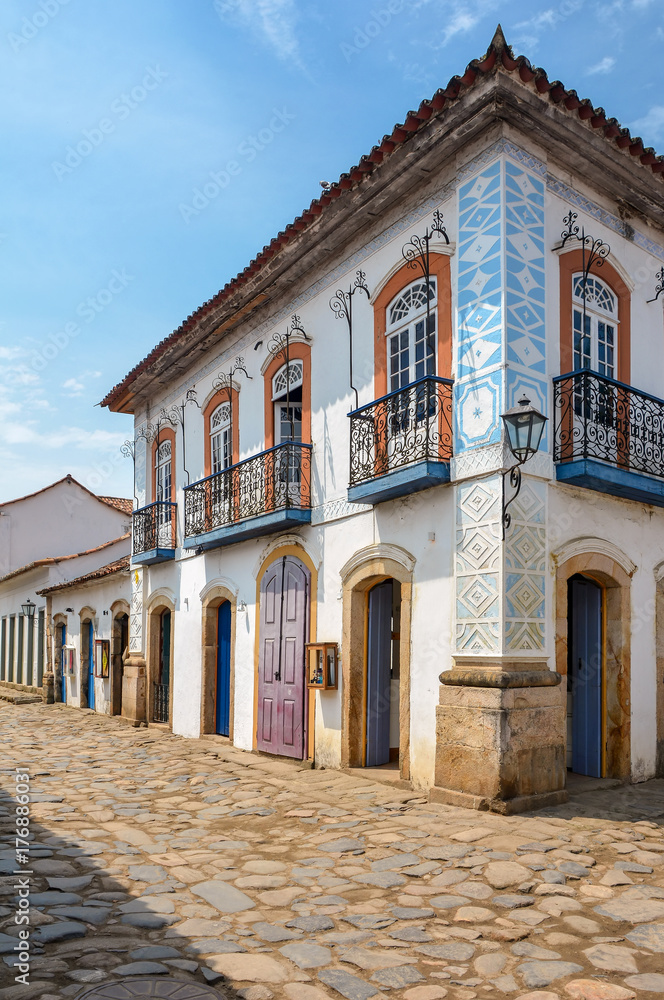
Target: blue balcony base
point(152, 556)
point(611, 479)
point(410, 479)
point(264, 524)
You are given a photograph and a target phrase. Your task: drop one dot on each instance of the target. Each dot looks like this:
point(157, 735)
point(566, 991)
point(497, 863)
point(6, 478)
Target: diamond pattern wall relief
point(501, 355)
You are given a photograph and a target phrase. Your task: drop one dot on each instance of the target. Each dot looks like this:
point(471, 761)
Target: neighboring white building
point(90, 628)
point(355, 497)
point(54, 535)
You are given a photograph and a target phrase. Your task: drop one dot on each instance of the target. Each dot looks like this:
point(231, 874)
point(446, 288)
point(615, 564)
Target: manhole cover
point(150, 986)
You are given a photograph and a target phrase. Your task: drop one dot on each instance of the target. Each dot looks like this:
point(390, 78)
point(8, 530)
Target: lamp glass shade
point(28, 609)
point(524, 426)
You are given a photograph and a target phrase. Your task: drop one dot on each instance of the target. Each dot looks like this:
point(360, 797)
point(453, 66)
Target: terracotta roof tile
point(120, 503)
point(119, 566)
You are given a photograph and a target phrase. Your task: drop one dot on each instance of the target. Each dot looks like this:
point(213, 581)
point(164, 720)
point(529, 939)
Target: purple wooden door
point(284, 624)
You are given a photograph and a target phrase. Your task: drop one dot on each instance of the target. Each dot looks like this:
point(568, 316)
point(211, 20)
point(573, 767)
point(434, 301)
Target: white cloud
point(27, 433)
point(76, 386)
point(73, 387)
point(9, 353)
point(651, 126)
point(605, 65)
point(460, 22)
point(273, 20)
point(528, 33)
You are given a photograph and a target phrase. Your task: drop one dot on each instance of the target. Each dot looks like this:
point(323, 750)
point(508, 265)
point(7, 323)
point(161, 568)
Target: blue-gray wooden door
point(586, 667)
point(223, 705)
point(379, 662)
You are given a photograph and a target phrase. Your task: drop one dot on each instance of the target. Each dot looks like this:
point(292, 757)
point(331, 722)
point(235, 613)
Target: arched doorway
point(382, 723)
point(593, 596)
point(59, 680)
point(159, 695)
point(162, 683)
point(87, 665)
point(119, 649)
point(375, 723)
point(217, 657)
point(285, 591)
point(585, 683)
point(223, 685)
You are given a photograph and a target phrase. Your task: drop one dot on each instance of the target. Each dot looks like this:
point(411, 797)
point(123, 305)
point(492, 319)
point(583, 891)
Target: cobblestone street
point(157, 855)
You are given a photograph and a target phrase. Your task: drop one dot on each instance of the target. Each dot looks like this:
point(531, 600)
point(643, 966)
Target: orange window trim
point(572, 263)
point(440, 270)
point(168, 434)
point(298, 351)
point(222, 396)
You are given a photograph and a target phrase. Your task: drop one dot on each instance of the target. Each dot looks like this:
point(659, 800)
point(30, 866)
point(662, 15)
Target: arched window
point(287, 399)
point(608, 302)
point(596, 327)
point(221, 450)
point(402, 345)
point(163, 472)
point(411, 349)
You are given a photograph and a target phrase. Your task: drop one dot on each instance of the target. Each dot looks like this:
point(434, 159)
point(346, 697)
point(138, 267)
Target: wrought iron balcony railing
point(599, 418)
point(153, 527)
point(408, 425)
point(274, 480)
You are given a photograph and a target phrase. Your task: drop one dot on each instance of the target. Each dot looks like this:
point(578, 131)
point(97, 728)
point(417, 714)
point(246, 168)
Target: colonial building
point(89, 619)
point(50, 538)
point(320, 459)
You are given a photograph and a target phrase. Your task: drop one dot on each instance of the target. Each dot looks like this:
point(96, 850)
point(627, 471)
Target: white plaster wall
point(58, 521)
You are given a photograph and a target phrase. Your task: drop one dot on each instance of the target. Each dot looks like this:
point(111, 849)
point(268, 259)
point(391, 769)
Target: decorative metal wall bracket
point(416, 253)
point(659, 288)
point(593, 251)
point(224, 381)
point(176, 416)
point(128, 450)
point(341, 305)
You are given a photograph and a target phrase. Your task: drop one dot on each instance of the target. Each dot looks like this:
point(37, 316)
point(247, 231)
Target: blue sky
point(103, 253)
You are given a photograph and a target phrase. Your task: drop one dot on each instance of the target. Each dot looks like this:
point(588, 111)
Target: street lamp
point(28, 609)
point(524, 426)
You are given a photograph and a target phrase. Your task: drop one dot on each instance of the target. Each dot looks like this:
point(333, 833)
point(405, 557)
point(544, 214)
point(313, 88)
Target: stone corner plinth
point(500, 738)
point(48, 688)
point(134, 690)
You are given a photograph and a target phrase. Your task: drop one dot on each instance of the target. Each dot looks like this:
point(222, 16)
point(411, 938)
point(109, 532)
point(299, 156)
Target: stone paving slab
point(195, 862)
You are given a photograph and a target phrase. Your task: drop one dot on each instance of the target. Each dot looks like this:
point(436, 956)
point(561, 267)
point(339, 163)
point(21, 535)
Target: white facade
point(476, 600)
point(46, 538)
point(99, 602)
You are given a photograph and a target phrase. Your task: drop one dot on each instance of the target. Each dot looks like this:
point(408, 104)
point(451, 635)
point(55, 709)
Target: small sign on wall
point(69, 660)
point(102, 657)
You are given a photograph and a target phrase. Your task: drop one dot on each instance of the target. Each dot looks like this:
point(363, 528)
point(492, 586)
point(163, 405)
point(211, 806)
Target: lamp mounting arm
point(514, 476)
